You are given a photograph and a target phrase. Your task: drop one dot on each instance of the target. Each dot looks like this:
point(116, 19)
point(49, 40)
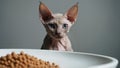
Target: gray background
point(97, 29)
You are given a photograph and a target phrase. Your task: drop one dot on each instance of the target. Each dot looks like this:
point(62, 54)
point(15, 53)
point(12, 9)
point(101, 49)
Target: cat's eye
point(52, 25)
point(65, 26)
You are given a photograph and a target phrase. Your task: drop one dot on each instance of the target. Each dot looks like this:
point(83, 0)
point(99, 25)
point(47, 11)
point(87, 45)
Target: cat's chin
point(57, 37)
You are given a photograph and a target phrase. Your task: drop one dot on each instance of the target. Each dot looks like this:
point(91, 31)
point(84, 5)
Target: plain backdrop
point(97, 29)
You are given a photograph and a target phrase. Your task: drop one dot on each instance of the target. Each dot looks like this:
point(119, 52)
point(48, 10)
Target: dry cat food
point(23, 60)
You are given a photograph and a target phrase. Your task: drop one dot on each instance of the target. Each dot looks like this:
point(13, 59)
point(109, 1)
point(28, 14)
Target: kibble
point(23, 60)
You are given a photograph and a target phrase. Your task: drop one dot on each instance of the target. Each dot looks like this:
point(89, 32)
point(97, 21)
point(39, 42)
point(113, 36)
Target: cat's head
point(57, 25)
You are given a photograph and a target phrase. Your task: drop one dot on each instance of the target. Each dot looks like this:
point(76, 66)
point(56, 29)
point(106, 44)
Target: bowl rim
point(113, 62)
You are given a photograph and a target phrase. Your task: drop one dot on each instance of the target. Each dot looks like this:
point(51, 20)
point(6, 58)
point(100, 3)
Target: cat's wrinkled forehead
point(58, 15)
point(59, 18)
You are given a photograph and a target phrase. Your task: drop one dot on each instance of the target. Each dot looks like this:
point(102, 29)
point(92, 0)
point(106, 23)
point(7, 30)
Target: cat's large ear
point(72, 13)
point(44, 12)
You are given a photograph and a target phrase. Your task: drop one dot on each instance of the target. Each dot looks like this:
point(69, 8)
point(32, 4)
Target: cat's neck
point(62, 44)
point(57, 44)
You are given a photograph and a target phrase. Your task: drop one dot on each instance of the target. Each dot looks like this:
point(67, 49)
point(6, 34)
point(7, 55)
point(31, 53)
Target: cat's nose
point(57, 33)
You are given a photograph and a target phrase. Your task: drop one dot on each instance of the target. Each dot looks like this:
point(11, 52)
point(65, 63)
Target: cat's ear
point(44, 12)
point(72, 13)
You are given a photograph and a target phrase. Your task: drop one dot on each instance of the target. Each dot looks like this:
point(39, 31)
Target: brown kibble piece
point(23, 60)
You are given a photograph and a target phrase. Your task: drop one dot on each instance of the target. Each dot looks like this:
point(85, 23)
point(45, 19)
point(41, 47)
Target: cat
point(57, 26)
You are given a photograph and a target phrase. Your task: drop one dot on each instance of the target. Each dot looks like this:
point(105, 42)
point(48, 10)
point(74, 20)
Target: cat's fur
point(57, 27)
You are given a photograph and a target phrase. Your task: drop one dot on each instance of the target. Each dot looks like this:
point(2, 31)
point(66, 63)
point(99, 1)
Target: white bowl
point(69, 59)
